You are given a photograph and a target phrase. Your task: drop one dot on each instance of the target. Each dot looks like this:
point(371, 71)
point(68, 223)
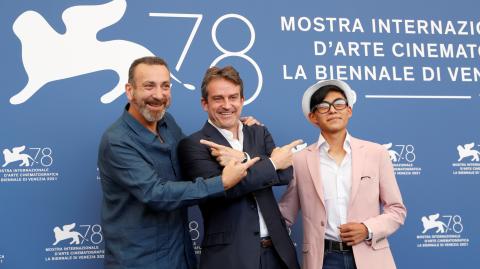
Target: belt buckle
point(337, 246)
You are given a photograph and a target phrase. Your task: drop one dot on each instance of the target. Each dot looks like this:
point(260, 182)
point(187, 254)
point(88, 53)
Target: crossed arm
point(123, 164)
point(206, 160)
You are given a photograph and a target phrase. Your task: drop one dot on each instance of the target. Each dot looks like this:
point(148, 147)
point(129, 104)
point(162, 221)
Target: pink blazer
point(373, 184)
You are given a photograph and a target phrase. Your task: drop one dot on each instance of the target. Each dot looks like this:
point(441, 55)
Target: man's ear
point(204, 104)
point(312, 118)
point(129, 91)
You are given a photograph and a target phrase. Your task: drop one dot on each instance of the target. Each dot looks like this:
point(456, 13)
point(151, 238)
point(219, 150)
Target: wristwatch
point(245, 157)
point(370, 233)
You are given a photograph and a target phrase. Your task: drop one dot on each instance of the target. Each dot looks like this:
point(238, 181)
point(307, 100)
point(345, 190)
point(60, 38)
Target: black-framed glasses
point(324, 106)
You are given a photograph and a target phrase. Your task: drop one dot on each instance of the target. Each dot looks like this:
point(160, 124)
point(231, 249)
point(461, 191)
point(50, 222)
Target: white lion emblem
point(67, 233)
point(467, 151)
point(49, 56)
point(16, 155)
point(431, 222)
point(392, 153)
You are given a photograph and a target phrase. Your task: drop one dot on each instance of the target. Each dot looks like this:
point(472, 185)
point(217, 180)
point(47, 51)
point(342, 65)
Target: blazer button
point(322, 223)
point(256, 233)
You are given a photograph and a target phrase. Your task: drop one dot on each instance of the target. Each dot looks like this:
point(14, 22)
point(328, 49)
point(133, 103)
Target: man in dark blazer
point(144, 207)
point(243, 229)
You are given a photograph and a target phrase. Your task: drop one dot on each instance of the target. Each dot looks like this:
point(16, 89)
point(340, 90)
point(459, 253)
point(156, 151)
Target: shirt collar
point(322, 143)
point(138, 128)
point(227, 134)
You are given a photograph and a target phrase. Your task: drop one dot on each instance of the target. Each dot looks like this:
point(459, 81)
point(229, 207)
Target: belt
point(336, 246)
point(266, 242)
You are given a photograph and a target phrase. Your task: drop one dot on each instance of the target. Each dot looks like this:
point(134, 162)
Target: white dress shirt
point(337, 183)
point(237, 144)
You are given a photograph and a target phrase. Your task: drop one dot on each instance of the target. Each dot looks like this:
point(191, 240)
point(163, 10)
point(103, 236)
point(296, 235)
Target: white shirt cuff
point(273, 164)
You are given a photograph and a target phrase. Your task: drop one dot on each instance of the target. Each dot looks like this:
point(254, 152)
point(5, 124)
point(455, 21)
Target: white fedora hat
point(307, 96)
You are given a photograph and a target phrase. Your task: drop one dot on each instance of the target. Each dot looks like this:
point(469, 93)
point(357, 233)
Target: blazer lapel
point(214, 135)
point(358, 153)
point(313, 164)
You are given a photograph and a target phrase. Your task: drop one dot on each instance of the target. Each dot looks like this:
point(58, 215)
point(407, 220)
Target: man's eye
point(166, 86)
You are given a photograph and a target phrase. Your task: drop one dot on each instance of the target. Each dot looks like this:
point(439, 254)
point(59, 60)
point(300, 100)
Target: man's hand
point(235, 171)
point(249, 121)
point(353, 233)
point(282, 157)
point(223, 154)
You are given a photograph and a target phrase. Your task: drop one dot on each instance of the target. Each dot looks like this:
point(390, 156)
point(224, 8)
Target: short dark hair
point(148, 60)
point(228, 72)
point(322, 92)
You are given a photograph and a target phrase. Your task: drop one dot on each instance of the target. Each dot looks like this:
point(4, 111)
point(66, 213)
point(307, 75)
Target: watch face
point(245, 157)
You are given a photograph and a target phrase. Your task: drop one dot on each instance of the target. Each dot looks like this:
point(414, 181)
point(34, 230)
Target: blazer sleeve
point(394, 211)
point(196, 161)
point(284, 176)
point(122, 163)
point(290, 202)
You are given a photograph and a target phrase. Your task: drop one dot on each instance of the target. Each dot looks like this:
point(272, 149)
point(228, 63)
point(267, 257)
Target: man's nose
point(226, 104)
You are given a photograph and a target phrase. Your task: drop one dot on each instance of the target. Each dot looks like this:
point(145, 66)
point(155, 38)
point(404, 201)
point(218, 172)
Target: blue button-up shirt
point(144, 209)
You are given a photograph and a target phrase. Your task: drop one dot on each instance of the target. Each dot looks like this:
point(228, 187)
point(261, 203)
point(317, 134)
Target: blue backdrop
point(414, 66)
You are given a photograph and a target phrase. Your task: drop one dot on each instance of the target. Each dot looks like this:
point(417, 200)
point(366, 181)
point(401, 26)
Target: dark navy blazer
point(232, 233)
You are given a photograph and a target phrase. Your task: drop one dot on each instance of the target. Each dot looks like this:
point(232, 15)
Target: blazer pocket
point(215, 239)
point(306, 248)
point(368, 178)
point(380, 244)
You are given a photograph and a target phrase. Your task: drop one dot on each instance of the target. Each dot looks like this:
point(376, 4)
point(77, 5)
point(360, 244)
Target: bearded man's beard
point(149, 115)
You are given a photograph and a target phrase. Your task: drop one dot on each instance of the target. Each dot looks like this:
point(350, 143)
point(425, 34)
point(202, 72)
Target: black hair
point(319, 95)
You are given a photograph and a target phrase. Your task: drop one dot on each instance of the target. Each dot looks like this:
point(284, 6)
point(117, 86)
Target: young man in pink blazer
point(341, 185)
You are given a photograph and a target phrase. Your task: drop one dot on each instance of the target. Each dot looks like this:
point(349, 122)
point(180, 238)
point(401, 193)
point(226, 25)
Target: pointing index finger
point(251, 162)
point(294, 143)
point(210, 144)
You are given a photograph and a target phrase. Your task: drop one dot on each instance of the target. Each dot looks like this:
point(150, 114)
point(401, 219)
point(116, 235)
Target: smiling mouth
point(155, 106)
point(225, 114)
point(335, 118)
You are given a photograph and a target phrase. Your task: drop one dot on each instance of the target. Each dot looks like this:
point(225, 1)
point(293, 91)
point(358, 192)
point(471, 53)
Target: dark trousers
point(338, 260)
point(269, 259)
